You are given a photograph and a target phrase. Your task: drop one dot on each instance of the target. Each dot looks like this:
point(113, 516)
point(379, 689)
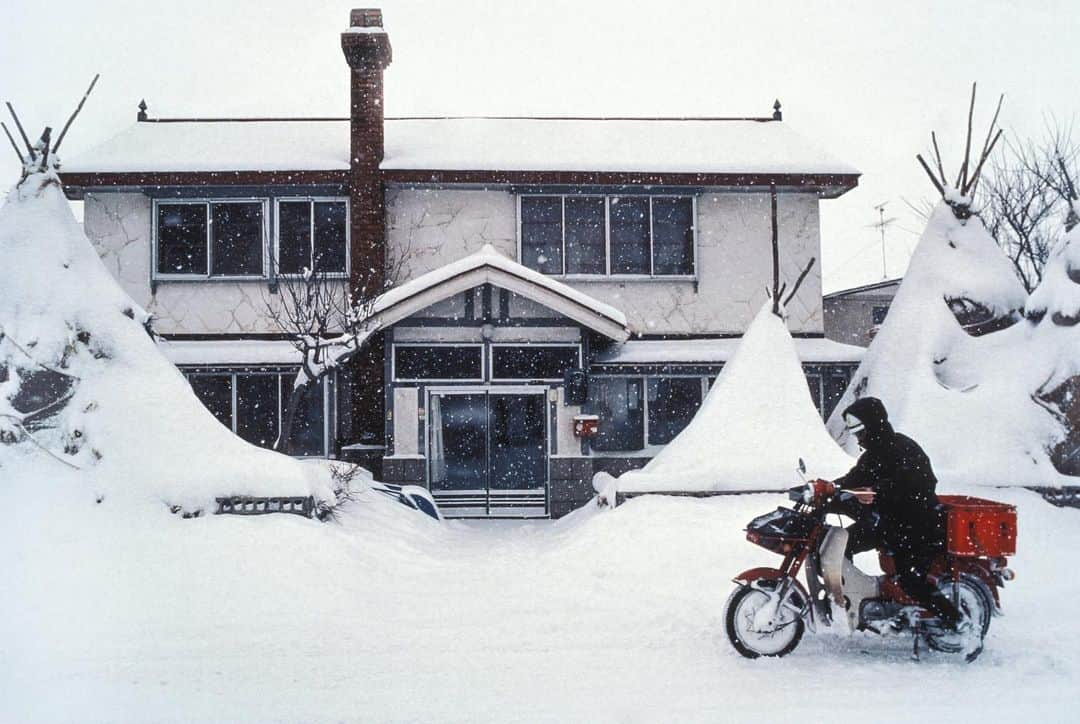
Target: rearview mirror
point(802, 466)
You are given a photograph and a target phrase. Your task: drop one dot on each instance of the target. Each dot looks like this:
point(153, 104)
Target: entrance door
point(487, 452)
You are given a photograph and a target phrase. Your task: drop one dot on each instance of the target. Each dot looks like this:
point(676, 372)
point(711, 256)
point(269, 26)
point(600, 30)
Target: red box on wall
point(979, 527)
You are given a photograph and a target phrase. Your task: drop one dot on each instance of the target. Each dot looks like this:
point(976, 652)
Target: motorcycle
point(769, 610)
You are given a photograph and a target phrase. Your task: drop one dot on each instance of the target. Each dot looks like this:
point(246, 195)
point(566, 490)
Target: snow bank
point(131, 423)
point(967, 400)
point(754, 425)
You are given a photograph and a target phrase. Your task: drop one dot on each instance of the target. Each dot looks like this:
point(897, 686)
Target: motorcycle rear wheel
point(976, 608)
point(739, 613)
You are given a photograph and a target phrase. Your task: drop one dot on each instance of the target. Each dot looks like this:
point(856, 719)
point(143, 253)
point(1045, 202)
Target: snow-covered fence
point(1066, 497)
point(246, 505)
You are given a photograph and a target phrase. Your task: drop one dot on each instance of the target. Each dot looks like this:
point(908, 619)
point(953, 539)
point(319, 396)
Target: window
point(631, 421)
point(877, 314)
point(541, 233)
point(210, 238)
point(598, 235)
point(672, 403)
point(827, 385)
point(533, 362)
point(629, 235)
point(438, 362)
point(618, 402)
point(252, 404)
point(313, 234)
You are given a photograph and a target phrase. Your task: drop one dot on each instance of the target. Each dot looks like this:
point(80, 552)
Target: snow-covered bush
point(84, 391)
point(756, 422)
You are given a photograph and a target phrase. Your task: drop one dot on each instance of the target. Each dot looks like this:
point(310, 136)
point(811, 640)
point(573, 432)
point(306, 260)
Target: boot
point(944, 609)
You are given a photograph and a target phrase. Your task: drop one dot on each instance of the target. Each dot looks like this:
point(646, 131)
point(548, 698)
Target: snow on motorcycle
point(767, 613)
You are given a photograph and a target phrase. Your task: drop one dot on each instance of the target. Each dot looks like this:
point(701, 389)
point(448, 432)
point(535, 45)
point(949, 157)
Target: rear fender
point(985, 578)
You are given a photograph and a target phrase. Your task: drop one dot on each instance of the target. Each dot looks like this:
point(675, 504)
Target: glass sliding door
point(487, 452)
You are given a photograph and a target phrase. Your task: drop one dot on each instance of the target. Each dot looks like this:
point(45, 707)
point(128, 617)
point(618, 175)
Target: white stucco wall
point(119, 226)
point(431, 226)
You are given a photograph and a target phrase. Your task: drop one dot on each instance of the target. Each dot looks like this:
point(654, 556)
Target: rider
point(905, 516)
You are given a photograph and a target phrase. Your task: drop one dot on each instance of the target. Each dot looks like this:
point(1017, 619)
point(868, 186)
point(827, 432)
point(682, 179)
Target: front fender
point(753, 574)
point(748, 577)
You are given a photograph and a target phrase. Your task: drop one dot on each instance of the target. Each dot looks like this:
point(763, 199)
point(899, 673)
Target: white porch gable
point(488, 266)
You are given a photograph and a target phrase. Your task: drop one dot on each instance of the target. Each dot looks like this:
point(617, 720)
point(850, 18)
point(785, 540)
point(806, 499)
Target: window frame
point(608, 275)
point(439, 380)
point(328, 385)
point(312, 200)
point(490, 368)
point(157, 276)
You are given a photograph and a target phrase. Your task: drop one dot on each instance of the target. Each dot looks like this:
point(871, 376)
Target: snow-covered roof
point(875, 286)
point(488, 266)
point(711, 351)
point(498, 144)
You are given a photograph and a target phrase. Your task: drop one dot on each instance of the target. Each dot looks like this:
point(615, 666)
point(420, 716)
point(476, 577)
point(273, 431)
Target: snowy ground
point(389, 616)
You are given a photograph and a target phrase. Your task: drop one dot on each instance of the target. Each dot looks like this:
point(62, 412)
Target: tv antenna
point(881, 225)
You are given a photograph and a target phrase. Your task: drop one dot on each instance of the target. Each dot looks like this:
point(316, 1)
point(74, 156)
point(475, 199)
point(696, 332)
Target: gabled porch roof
point(488, 266)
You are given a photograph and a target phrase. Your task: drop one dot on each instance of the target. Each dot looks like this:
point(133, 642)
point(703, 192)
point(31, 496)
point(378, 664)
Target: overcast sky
point(868, 81)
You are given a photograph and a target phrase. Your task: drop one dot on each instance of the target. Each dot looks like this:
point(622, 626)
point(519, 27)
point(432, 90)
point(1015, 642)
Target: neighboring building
point(853, 316)
point(534, 247)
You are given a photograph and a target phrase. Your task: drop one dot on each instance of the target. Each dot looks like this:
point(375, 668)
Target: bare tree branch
point(937, 155)
point(933, 180)
point(18, 125)
point(22, 159)
point(961, 178)
point(799, 281)
point(78, 108)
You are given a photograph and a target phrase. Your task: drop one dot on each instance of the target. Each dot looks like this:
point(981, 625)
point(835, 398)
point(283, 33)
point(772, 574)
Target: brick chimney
point(367, 51)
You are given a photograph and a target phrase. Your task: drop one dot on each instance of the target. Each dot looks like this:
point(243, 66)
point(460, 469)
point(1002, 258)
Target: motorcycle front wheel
point(745, 631)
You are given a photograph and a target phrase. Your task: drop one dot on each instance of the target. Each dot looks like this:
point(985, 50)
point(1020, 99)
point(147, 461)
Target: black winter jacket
point(899, 472)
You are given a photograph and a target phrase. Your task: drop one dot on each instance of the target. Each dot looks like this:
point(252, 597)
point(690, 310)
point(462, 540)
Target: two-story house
point(554, 268)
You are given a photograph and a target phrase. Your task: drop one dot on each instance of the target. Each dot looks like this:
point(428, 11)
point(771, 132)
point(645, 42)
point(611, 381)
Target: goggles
point(853, 424)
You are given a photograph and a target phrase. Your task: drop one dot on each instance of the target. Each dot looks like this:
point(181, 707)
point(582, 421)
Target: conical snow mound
point(84, 391)
point(968, 400)
point(754, 425)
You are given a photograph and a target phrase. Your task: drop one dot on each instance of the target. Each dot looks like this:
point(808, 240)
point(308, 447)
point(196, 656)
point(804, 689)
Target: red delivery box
point(979, 527)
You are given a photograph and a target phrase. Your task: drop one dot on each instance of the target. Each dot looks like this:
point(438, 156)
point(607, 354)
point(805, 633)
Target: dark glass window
point(215, 392)
point(312, 235)
point(646, 235)
point(835, 382)
point(309, 422)
point(294, 237)
point(532, 363)
point(257, 408)
point(541, 233)
point(181, 239)
point(585, 235)
point(878, 314)
point(673, 401)
point(630, 235)
point(619, 404)
point(328, 246)
point(238, 239)
point(438, 363)
point(673, 235)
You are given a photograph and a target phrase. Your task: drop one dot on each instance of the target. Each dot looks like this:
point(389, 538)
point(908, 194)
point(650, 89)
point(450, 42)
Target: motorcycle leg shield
point(831, 553)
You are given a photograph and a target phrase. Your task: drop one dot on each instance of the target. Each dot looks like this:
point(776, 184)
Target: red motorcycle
point(770, 609)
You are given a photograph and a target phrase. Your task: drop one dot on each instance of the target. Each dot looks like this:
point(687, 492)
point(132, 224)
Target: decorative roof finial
point(142, 111)
point(777, 114)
